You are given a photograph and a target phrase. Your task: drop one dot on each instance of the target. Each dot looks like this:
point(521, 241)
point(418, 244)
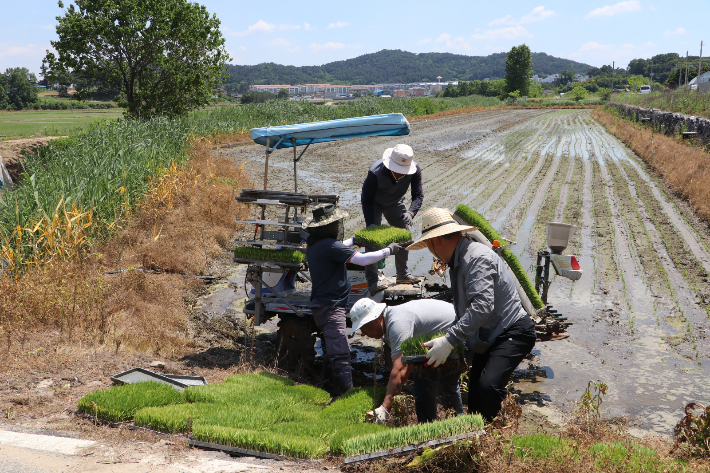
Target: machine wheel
point(295, 341)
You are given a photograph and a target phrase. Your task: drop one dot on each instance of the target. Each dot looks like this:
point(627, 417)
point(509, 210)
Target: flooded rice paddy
point(640, 312)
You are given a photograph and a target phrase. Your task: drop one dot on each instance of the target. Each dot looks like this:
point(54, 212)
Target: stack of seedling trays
point(269, 416)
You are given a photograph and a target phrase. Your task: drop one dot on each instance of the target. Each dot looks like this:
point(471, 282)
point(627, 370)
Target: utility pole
point(700, 68)
point(612, 76)
point(686, 68)
point(651, 74)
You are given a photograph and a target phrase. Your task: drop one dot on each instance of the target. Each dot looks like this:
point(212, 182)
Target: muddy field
point(641, 309)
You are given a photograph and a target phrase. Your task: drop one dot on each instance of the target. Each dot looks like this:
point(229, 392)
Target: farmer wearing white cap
point(383, 192)
point(395, 324)
point(327, 256)
point(489, 315)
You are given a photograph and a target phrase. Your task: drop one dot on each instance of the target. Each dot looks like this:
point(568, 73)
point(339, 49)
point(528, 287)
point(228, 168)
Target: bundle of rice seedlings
point(173, 419)
point(268, 254)
point(382, 235)
point(477, 220)
point(400, 437)
point(261, 440)
point(352, 406)
point(119, 403)
point(413, 346)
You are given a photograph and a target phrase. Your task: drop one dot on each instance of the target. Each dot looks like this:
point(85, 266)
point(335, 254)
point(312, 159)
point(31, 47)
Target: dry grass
point(686, 169)
point(184, 225)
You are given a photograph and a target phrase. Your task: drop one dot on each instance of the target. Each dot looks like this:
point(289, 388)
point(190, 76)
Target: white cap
point(364, 311)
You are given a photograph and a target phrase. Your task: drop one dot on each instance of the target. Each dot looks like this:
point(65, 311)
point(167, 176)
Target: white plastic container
point(558, 235)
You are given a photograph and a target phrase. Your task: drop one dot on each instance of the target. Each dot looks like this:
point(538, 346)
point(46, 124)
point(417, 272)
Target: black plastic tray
point(421, 359)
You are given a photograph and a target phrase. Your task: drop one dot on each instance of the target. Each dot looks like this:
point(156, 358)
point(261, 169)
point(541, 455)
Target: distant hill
point(392, 66)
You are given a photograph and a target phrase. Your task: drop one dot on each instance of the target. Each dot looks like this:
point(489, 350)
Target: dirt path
point(640, 311)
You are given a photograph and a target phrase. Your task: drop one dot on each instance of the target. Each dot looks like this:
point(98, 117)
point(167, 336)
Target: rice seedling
point(172, 419)
point(542, 446)
point(477, 220)
point(267, 254)
point(413, 346)
point(120, 403)
point(343, 435)
point(393, 438)
point(635, 458)
point(351, 406)
point(262, 441)
point(382, 235)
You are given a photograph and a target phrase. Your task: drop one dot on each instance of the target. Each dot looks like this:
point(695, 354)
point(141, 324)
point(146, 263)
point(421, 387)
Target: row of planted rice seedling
point(263, 412)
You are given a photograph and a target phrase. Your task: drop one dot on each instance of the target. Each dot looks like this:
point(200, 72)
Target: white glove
point(379, 415)
point(439, 350)
point(349, 242)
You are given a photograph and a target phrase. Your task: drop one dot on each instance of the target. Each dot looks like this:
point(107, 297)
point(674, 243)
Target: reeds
point(382, 235)
point(477, 220)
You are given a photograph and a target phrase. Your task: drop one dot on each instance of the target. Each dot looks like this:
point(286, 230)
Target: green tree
point(638, 67)
point(566, 78)
point(535, 90)
point(579, 93)
point(166, 56)
point(518, 70)
point(283, 94)
point(19, 89)
point(638, 81)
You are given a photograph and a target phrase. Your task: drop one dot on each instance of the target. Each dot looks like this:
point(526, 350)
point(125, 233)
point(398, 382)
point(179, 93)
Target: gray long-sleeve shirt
point(485, 297)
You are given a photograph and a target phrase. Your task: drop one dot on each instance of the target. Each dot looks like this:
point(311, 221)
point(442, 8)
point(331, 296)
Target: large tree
point(166, 56)
point(518, 70)
point(17, 88)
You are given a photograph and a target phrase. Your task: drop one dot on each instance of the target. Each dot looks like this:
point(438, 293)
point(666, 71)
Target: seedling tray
point(421, 359)
point(241, 451)
point(411, 448)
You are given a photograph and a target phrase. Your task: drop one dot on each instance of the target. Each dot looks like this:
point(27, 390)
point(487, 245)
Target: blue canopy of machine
point(286, 136)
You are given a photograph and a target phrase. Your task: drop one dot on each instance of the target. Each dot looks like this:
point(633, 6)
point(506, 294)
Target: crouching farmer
point(396, 324)
point(327, 256)
point(489, 315)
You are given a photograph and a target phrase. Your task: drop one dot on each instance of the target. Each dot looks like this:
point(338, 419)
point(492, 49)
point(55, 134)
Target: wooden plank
point(411, 448)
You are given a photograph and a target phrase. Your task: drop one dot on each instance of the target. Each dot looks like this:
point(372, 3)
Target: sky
point(595, 32)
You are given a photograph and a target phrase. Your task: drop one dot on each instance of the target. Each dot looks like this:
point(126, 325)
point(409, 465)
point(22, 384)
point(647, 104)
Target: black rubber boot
point(328, 378)
point(343, 379)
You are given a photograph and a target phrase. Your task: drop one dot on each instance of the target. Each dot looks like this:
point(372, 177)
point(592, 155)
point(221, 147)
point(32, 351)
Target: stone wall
point(666, 122)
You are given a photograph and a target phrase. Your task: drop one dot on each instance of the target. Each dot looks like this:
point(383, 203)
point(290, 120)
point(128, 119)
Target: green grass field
point(27, 123)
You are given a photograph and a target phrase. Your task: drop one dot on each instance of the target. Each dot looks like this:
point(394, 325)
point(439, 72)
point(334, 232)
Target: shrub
point(267, 254)
point(477, 220)
point(413, 346)
point(120, 403)
point(382, 235)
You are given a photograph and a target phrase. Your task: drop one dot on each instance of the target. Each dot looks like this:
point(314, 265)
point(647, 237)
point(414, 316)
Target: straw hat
point(323, 214)
point(437, 222)
point(364, 311)
point(399, 159)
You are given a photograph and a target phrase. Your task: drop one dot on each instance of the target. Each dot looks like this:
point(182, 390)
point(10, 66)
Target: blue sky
point(596, 32)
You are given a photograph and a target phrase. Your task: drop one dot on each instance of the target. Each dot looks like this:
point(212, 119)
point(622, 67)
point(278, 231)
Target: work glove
point(408, 218)
point(439, 350)
point(349, 242)
point(379, 415)
point(394, 248)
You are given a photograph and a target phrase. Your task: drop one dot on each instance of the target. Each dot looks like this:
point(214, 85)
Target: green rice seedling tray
point(381, 236)
point(416, 448)
point(267, 254)
point(477, 220)
point(120, 403)
point(412, 346)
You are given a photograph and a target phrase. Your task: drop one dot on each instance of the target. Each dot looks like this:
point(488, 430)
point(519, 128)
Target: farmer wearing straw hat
point(489, 315)
point(383, 191)
point(327, 256)
point(396, 324)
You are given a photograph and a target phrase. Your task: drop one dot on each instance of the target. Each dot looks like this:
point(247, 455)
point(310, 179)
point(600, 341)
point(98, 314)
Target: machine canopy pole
point(266, 163)
point(295, 176)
